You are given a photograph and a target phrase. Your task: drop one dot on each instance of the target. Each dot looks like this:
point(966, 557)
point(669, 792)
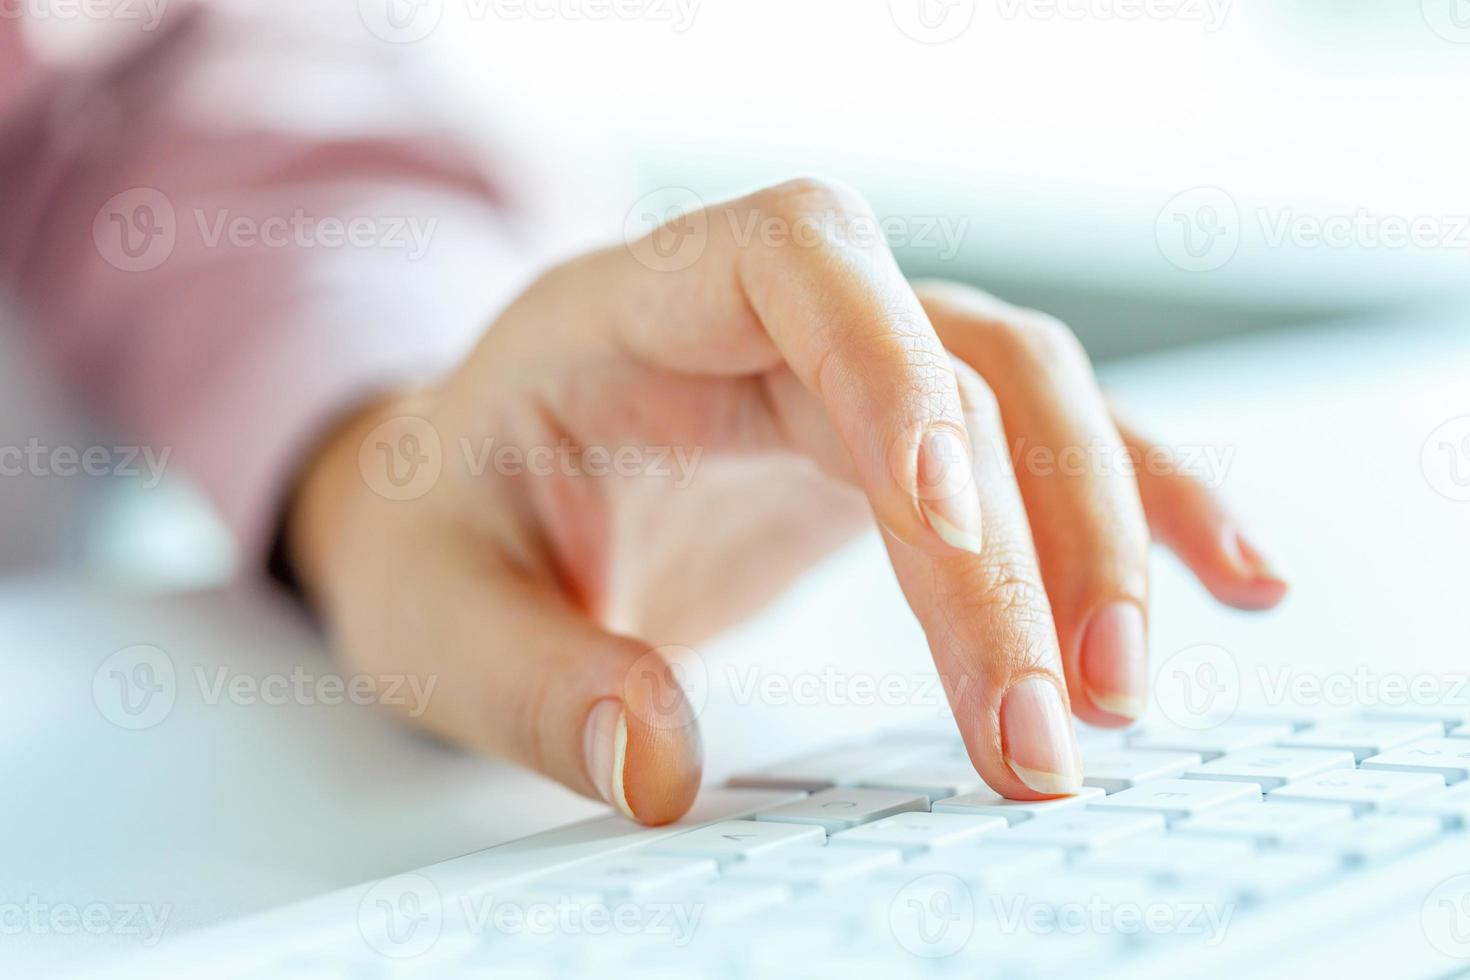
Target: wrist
point(332, 492)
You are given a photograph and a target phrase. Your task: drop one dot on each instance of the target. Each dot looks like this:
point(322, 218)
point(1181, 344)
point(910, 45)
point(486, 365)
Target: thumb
point(603, 714)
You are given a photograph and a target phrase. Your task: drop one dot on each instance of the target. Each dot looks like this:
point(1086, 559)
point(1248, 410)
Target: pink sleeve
point(225, 238)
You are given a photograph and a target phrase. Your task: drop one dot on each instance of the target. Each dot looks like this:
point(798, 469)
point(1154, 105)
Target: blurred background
point(1154, 172)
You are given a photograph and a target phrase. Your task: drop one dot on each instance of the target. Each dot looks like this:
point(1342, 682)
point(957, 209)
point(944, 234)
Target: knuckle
point(802, 195)
point(812, 210)
point(1006, 592)
point(1041, 338)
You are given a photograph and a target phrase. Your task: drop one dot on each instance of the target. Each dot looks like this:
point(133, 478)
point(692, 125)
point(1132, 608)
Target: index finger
point(992, 632)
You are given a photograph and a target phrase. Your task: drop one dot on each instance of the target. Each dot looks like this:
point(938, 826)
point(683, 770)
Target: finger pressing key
point(990, 628)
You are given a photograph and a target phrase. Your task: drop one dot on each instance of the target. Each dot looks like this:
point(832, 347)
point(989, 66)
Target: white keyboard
point(1203, 850)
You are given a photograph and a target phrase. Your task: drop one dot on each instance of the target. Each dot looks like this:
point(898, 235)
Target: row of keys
point(1216, 791)
point(1269, 754)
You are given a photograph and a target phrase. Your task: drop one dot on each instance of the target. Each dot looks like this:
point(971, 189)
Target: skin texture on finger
point(832, 308)
point(1071, 466)
point(990, 629)
point(1192, 522)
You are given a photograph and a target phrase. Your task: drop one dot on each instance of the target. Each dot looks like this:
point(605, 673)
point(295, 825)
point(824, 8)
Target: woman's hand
point(638, 455)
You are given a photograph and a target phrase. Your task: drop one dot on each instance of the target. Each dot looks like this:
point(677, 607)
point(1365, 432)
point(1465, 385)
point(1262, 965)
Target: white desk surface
point(225, 809)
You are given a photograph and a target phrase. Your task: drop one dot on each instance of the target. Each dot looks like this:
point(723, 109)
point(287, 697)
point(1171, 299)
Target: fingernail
point(1115, 660)
point(1037, 738)
point(946, 489)
point(605, 748)
point(1250, 561)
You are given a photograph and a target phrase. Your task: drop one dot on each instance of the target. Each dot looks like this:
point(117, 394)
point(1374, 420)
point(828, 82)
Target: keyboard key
point(726, 899)
point(1267, 823)
point(1111, 770)
point(913, 833)
point(1450, 757)
point(838, 767)
point(933, 780)
point(985, 862)
point(1093, 737)
point(1272, 875)
point(1451, 808)
point(1269, 768)
point(1175, 799)
point(737, 840)
point(1082, 829)
point(1079, 887)
point(1211, 743)
point(1172, 858)
point(1293, 718)
point(1374, 838)
point(1363, 737)
point(990, 803)
point(817, 867)
point(839, 809)
point(1363, 790)
point(1450, 716)
point(631, 874)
